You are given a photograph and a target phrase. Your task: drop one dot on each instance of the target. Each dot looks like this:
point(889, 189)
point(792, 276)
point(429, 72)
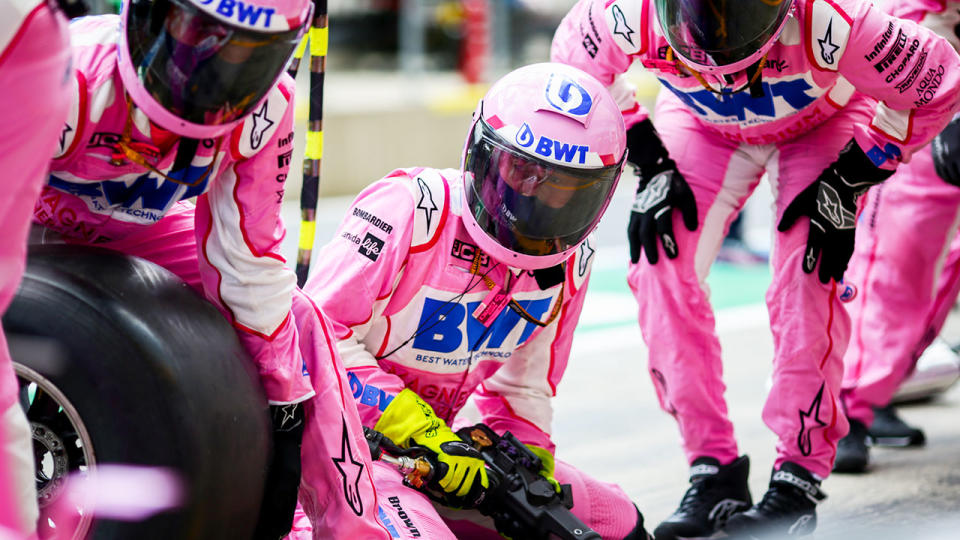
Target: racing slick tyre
point(120, 362)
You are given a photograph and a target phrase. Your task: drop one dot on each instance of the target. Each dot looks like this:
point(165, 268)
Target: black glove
point(831, 204)
point(946, 152)
point(283, 475)
point(661, 188)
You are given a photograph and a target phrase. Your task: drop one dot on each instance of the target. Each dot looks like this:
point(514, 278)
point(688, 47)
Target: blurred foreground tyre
point(120, 362)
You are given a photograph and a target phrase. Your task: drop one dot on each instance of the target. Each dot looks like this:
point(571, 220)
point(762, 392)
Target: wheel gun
point(522, 503)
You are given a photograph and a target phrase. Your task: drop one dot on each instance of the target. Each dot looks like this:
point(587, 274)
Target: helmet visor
point(200, 69)
point(720, 32)
point(528, 205)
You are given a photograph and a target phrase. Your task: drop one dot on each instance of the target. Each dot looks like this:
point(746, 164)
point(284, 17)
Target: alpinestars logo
point(260, 126)
point(426, 201)
point(654, 194)
point(350, 470)
point(621, 27)
point(586, 253)
point(827, 46)
point(723, 510)
point(829, 205)
point(810, 416)
point(63, 136)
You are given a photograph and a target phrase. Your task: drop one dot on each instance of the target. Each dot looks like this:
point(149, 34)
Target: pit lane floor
point(608, 423)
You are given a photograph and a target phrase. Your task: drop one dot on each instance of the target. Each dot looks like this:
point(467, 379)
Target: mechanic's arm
point(239, 231)
point(603, 39)
point(585, 40)
point(355, 279)
point(913, 72)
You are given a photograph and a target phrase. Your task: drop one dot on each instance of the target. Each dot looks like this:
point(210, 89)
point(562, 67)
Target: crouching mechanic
point(446, 284)
point(178, 99)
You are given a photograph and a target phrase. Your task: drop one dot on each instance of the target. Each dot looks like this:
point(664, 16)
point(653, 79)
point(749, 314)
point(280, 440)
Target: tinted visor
point(202, 70)
point(720, 32)
point(528, 205)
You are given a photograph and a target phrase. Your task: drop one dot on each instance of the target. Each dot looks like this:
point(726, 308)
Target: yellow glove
point(410, 421)
point(547, 465)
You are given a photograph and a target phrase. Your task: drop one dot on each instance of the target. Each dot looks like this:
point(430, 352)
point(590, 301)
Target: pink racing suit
point(821, 78)
point(34, 95)
point(227, 247)
point(397, 283)
point(907, 277)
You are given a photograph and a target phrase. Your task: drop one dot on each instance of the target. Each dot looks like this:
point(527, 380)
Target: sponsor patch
point(373, 220)
point(466, 251)
point(370, 247)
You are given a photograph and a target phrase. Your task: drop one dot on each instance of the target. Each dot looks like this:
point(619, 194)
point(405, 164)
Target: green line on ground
point(731, 286)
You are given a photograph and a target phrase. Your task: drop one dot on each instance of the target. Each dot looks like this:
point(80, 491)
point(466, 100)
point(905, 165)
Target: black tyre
point(120, 362)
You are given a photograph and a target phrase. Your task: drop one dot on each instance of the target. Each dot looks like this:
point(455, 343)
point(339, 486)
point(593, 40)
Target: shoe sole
point(897, 442)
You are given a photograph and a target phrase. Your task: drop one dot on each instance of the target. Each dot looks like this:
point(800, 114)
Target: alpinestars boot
point(853, 455)
point(716, 492)
point(788, 508)
point(888, 429)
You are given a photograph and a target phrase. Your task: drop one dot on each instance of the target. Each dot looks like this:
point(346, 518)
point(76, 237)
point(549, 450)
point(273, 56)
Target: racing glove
point(661, 188)
point(946, 152)
point(547, 465)
point(283, 475)
point(460, 471)
point(831, 204)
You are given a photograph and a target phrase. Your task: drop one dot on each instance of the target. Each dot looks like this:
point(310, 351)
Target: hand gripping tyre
point(120, 362)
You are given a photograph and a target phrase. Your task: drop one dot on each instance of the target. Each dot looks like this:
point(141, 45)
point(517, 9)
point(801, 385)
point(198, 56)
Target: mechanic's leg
point(948, 288)
point(603, 507)
point(34, 90)
point(810, 326)
point(404, 512)
point(337, 489)
point(903, 241)
point(676, 318)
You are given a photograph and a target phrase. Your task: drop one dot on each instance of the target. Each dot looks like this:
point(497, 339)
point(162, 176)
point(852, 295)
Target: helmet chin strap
point(754, 83)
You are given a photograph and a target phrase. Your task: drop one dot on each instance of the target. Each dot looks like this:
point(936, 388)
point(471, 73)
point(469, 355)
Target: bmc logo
point(443, 322)
point(735, 106)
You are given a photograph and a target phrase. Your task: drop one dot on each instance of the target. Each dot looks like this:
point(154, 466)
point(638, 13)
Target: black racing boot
point(852, 452)
point(788, 508)
point(716, 492)
point(888, 429)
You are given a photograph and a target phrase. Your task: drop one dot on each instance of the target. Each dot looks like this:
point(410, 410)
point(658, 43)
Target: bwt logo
point(550, 148)
point(369, 394)
point(243, 13)
point(729, 105)
point(443, 324)
point(567, 96)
